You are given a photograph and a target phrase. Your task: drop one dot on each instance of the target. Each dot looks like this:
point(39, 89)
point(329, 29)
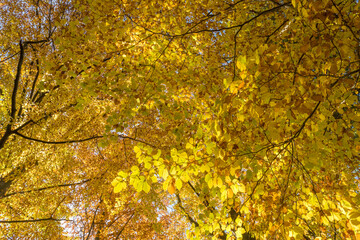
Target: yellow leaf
point(183, 155)
point(147, 165)
point(115, 182)
point(241, 188)
point(219, 182)
point(239, 232)
point(146, 187)
point(234, 188)
point(185, 177)
point(223, 196)
point(257, 57)
point(134, 169)
point(241, 62)
point(154, 179)
point(210, 183)
point(304, 12)
point(118, 188)
point(189, 146)
point(157, 154)
point(137, 149)
point(222, 153)
point(178, 183)
point(227, 82)
point(122, 174)
point(217, 129)
point(164, 174)
point(232, 170)
point(204, 168)
point(325, 221)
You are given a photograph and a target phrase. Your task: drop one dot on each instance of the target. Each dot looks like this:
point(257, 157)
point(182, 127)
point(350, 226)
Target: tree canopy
point(177, 119)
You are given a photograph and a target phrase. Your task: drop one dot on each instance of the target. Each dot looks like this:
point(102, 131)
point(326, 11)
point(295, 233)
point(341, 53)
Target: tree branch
point(54, 142)
point(77, 141)
point(57, 206)
point(33, 220)
point(49, 187)
point(122, 229)
point(187, 214)
point(16, 84)
point(5, 182)
point(93, 221)
point(304, 123)
point(13, 96)
point(345, 76)
point(36, 42)
point(235, 26)
point(35, 79)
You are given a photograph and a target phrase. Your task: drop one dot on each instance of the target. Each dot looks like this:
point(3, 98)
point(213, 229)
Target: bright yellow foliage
point(179, 119)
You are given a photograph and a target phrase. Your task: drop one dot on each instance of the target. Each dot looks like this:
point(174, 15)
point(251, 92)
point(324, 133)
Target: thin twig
point(54, 142)
point(122, 229)
point(48, 187)
point(34, 220)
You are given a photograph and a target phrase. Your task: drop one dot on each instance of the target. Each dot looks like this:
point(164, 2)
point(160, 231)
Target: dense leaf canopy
point(179, 119)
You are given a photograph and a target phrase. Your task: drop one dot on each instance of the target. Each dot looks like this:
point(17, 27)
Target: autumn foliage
point(179, 119)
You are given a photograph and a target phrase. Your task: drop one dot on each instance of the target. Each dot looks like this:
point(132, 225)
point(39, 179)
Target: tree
point(165, 120)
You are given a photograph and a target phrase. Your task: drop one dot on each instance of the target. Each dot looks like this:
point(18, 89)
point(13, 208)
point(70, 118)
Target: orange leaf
point(171, 188)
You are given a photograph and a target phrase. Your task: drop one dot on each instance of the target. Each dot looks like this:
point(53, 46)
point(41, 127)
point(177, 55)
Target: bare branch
point(122, 229)
point(54, 142)
point(187, 214)
point(93, 220)
point(36, 42)
point(48, 187)
point(13, 96)
point(33, 220)
point(35, 80)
